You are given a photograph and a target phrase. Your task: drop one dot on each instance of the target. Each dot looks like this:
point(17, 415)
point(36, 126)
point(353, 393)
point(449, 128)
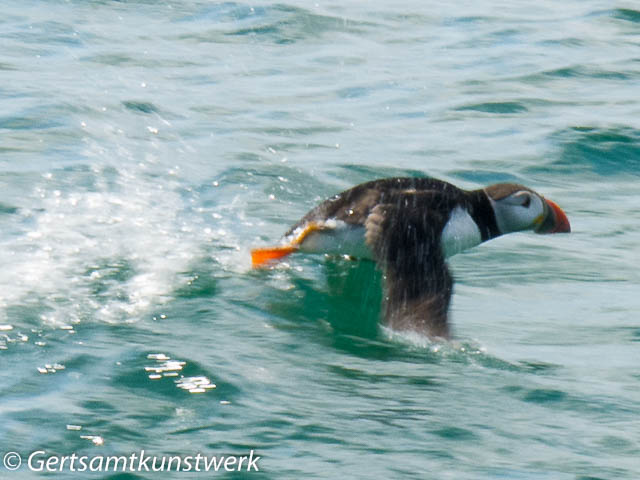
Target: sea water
point(146, 146)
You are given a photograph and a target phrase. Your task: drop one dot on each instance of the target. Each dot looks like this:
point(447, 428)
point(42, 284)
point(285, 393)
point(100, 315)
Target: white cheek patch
point(460, 233)
point(515, 218)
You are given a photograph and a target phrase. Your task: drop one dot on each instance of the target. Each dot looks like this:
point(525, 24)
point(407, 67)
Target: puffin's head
point(517, 208)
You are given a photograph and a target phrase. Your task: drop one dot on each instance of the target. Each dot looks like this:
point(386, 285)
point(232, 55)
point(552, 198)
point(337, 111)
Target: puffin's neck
point(481, 210)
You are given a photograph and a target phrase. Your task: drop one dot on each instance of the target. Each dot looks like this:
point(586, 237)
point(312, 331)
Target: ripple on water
point(545, 395)
point(456, 433)
point(602, 151)
point(589, 405)
point(140, 106)
point(278, 24)
point(224, 12)
point(47, 33)
point(293, 24)
point(584, 71)
point(482, 177)
point(7, 209)
point(496, 107)
point(627, 14)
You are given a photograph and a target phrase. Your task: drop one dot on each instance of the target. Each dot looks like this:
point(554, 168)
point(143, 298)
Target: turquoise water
point(145, 147)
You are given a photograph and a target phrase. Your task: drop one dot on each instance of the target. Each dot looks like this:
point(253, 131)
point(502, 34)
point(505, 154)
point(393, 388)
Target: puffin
point(409, 227)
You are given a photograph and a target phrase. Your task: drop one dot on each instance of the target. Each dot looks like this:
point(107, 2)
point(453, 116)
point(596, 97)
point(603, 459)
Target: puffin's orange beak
point(556, 220)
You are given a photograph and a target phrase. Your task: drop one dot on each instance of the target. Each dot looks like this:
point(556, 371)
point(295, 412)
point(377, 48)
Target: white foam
point(129, 221)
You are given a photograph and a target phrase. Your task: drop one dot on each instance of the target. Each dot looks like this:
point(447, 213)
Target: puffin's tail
point(261, 256)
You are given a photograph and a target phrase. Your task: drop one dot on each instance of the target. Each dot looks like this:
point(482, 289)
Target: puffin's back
point(354, 205)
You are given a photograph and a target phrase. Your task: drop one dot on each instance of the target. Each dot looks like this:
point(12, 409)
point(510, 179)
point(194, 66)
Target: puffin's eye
point(520, 199)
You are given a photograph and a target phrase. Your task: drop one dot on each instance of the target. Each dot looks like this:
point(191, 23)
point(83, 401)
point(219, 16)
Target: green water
point(146, 147)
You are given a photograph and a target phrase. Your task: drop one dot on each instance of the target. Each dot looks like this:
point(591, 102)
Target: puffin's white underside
point(339, 238)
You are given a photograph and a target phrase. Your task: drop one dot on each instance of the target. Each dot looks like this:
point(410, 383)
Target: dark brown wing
point(354, 205)
point(406, 244)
